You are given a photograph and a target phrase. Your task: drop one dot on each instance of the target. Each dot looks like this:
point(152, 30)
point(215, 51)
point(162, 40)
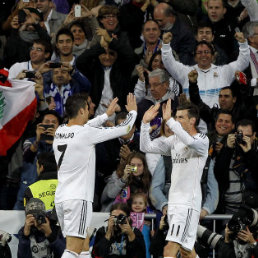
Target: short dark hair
point(107, 9)
point(52, 112)
point(64, 31)
point(226, 112)
point(233, 92)
point(246, 122)
point(47, 160)
point(193, 111)
point(223, 3)
point(74, 103)
point(121, 206)
point(203, 42)
point(204, 24)
point(47, 45)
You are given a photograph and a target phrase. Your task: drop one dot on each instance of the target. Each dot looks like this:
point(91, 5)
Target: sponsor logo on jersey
point(179, 159)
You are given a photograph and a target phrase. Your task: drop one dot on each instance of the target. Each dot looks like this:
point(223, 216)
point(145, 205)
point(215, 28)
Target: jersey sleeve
point(98, 121)
point(199, 142)
point(100, 134)
point(159, 145)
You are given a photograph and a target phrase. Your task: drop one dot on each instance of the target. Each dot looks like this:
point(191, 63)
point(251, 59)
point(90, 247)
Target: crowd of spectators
point(204, 52)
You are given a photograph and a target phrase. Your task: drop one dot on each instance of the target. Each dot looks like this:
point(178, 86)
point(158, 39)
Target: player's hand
point(30, 220)
point(131, 102)
point(231, 140)
point(167, 37)
point(166, 110)
point(112, 107)
point(192, 76)
point(151, 113)
point(240, 37)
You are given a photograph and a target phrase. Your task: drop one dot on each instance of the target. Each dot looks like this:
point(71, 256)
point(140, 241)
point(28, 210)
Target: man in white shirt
point(74, 148)
point(39, 52)
point(211, 77)
point(188, 150)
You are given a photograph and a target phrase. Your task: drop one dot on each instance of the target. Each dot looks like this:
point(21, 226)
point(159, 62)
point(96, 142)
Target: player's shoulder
point(201, 136)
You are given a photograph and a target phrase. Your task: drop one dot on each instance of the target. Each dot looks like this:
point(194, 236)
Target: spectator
point(40, 52)
point(183, 40)
point(126, 180)
point(109, 70)
point(222, 28)
point(42, 142)
point(251, 33)
point(239, 105)
point(217, 76)
point(236, 166)
point(205, 32)
point(40, 236)
point(53, 20)
point(18, 45)
point(151, 42)
point(45, 186)
point(64, 84)
point(119, 239)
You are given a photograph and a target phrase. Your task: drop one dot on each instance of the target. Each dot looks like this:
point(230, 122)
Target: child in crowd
point(138, 210)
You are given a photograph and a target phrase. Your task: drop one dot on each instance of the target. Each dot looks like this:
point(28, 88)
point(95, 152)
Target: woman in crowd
point(130, 177)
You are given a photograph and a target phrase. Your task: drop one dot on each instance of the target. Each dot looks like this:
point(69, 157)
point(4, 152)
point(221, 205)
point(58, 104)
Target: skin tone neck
point(67, 59)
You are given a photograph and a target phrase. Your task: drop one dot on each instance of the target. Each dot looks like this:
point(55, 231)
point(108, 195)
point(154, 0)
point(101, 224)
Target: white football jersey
point(188, 154)
point(74, 149)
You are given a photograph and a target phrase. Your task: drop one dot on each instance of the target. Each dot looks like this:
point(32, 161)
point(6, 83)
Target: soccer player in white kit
point(74, 148)
point(188, 150)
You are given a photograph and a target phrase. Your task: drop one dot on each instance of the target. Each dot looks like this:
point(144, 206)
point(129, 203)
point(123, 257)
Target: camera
point(40, 217)
point(55, 65)
point(133, 169)
point(239, 138)
point(120, 219)
point(243, 218)
point(4, 238)
point(45, 136)
point(30, 74)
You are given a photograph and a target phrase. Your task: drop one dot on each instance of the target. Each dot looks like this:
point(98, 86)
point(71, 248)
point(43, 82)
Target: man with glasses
point(211, 78)
point(53, 20)
point(40, 52)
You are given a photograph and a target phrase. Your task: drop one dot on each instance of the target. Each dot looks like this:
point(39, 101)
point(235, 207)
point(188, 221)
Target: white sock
point(69, 254)
point(84, 254)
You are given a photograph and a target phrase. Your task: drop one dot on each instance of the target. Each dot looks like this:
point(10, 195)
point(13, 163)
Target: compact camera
point(239, 138)
point(133, 169)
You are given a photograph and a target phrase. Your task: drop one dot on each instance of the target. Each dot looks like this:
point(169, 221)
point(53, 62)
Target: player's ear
point(192, 120)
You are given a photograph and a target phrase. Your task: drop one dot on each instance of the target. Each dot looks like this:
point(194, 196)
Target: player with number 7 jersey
point(74, 149)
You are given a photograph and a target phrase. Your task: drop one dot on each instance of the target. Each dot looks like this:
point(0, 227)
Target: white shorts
point(183, 222)
point(74, 217)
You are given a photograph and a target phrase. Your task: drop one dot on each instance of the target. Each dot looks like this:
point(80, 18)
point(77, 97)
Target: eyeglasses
point(206, 52)
point(110, 16)
point(38, 49)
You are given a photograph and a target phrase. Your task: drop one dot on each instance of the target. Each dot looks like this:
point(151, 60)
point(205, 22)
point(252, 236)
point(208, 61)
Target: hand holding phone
point(77, 10)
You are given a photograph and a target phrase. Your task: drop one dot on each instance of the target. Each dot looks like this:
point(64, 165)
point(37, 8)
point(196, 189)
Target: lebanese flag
point(18, 105)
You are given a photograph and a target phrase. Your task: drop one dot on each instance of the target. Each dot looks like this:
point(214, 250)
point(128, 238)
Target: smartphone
point(237, 29)
point(46, 126)
point(55, 65)
point(77, 10)
point(30, 74)
point(26, 1)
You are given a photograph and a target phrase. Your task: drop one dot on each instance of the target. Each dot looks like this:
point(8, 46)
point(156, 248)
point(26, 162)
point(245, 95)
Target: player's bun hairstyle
point(193, 111)
point(74, 103)
point(203, 42)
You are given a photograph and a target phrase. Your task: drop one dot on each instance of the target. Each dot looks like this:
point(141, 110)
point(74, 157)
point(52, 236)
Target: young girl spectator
point(131, 177)
point(138, 209)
